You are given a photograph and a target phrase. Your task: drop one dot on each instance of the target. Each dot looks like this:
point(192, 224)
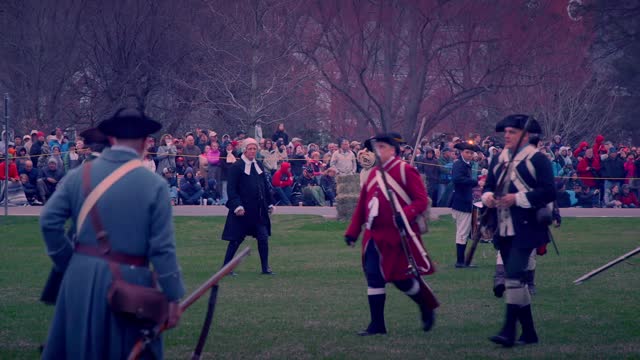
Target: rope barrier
point(305, 160)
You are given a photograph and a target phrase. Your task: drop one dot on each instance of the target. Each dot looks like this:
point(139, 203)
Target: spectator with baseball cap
point(26, 143)
point(169, 174)
point(36, 148)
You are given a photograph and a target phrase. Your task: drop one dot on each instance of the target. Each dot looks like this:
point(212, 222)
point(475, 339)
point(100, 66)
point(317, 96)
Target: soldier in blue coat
point(522, 226)
point(462, 198)
point(250, 204)
point(136, 214)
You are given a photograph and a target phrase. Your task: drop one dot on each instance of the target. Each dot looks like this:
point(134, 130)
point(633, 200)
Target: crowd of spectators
point(195, 166)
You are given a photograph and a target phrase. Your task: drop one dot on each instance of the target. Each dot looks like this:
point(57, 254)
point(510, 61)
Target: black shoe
point(464, 266)
point(527, 341)
point(507, 336)
point(529, 335)
point(502, 340)
point(268, 272)
point(370, 332)
point(498, 290)
point(428, 319)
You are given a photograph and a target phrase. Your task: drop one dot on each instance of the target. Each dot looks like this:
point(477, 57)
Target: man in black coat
point(524, 195)
point(250, 205)
point(462, 198)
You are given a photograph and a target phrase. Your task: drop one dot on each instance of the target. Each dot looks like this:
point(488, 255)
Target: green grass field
point(317, 301)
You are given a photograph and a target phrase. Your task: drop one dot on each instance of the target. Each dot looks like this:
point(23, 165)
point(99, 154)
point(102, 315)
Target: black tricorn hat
point(394, 139)
point(93, 136)
point(464, 146)
point(519, 121)
point(129, 123)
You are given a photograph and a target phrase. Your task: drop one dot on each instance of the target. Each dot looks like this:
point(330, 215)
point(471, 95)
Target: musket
point(553, 242)
point(425, 290)
point(149, 336)
point(489, 218)
point(606, 266)
point(475, 236)
point(413, 156)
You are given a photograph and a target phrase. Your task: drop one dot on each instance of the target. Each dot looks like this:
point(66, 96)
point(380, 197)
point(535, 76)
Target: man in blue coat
point(522, 200)
point(250, 205)
point(84, 326)
point(462, 198)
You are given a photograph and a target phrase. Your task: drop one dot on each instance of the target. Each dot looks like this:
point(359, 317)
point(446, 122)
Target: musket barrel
point(606, 266)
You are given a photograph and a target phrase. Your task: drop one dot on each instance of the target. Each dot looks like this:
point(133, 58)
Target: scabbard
point(427, 294)
point(52, 286)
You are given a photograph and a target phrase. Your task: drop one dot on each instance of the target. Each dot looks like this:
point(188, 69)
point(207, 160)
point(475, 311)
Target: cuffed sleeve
point(54, 215)
point(522, 201)
point(486, 196)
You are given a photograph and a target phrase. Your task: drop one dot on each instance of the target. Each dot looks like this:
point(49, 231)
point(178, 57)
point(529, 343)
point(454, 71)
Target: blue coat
point(463, 184)
point(528, 233)
point(137, 216)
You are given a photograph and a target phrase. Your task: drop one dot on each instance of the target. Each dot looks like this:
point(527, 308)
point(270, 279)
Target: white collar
point(247, 165)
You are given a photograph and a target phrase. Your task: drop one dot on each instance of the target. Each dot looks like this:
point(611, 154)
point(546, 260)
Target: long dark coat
point(252, 193)
point(463, 185)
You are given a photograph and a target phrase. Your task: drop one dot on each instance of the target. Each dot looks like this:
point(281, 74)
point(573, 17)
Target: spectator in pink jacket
point(214, 158)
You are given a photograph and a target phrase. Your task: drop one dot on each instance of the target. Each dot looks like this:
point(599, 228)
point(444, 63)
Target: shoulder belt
point(102, 187)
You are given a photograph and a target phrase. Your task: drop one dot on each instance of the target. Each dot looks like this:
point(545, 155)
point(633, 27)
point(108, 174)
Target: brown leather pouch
point(141, 302)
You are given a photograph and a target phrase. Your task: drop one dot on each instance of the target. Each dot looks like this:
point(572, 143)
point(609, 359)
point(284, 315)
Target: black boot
point(529, 335)
point(427, 315)
point(460, 249)
point(507, 336)
point(263, 250)
point(498, 281)
point(376, 308)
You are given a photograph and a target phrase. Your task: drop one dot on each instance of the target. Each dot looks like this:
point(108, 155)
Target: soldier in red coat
point(383, 257)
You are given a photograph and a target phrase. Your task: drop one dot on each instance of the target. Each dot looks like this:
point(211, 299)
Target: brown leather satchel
point(140, 302)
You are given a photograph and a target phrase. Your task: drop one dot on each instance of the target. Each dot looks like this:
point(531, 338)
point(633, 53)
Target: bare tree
point(248, 72)
point(574, 110)
point(133, 50)
point(40, 56)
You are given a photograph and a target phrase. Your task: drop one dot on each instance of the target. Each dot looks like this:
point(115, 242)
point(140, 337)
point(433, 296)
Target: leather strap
point(103, 250)
point(112, 256)
point(92, 197)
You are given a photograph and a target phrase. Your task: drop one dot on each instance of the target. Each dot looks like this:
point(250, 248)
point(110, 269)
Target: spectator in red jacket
point(589, 166)
point(13, 170)
point(627, 198)
point(282, 182)
point(629, 168)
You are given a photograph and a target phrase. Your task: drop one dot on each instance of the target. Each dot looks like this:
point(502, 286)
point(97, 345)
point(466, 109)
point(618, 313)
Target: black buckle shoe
point(502, 340)
point(527, 340)
point(371, 332)
point(428, 319)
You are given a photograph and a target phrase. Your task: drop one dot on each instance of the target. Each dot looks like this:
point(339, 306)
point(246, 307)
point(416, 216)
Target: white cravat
point(247, 165)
